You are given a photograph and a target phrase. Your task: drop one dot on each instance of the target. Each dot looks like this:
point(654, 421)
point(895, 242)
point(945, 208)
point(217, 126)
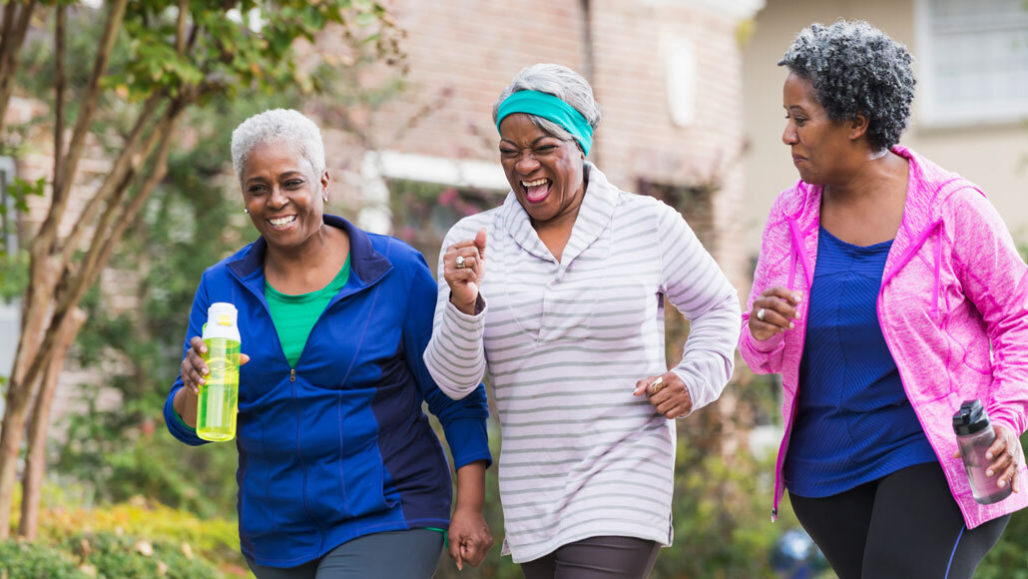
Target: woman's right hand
point(773, 312)
point(464, 281)
point(194, 368)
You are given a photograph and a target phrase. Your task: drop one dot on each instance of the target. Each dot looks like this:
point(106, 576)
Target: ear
point(858, 126)
point(324, 184)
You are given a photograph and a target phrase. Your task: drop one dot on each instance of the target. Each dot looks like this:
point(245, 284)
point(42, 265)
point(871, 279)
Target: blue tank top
point(854, 423)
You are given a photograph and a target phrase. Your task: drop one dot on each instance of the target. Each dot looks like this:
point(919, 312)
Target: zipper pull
point(774, 515)
point(292, 374)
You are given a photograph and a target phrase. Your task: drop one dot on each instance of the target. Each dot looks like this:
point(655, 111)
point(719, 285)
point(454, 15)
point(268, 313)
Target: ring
point(460, 262)
point(760, 314)
point(655, 386)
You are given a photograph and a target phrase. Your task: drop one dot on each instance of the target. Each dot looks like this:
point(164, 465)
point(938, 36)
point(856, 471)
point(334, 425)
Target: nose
point(277, 199)
point(789, 134)
point(526, 163)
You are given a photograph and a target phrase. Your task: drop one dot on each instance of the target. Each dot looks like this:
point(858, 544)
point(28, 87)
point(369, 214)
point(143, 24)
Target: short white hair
point(278, 125)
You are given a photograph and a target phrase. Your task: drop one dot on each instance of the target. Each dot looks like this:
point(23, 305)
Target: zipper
point(292, 374)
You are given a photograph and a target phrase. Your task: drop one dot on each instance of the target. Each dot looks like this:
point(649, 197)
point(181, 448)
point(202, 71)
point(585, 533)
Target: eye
point(256, 189)
point(294, 183)
point(546, 148)
point(507, 152)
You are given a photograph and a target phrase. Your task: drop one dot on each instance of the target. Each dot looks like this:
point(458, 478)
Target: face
point(821, 147)
point(282, 194)
point(545, 173)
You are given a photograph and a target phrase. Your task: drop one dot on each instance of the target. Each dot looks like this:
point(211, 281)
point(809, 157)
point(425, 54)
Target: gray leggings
point(596, 558)
point(410, 554)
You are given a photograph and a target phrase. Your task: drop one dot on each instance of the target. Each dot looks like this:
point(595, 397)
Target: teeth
point(282, 220)
point(535, 183)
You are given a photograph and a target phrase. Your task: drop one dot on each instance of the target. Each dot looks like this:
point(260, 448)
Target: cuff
point(468, 441)
point(176, 426)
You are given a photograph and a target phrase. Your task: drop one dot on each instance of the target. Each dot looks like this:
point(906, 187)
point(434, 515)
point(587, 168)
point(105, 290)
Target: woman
point(339, 469)
point(569, 324)
point(883, 283)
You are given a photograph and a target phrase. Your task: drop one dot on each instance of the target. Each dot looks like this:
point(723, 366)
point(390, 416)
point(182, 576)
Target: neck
point(875, 176)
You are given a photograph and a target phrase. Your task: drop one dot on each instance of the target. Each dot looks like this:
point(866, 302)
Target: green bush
point(23, 560)
point(123, 557)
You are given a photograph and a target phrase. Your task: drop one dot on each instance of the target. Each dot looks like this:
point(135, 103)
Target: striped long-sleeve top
point(564, 344)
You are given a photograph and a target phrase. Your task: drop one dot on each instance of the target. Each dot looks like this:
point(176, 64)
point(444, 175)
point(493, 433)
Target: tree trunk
point(35, 460)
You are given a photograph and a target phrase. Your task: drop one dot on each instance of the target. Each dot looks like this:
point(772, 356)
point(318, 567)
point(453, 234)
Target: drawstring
point(912, 250)
point(798, 254)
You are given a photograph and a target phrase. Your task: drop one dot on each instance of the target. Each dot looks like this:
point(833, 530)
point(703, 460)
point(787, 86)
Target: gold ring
point(655, 386)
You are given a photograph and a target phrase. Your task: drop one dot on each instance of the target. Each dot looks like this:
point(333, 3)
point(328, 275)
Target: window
point(973, 61)
point(10, 321)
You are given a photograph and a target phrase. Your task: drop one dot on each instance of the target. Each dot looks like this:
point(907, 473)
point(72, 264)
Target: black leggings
point(596, 558)
point(905, 524)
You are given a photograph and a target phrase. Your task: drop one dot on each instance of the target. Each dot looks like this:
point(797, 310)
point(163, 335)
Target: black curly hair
point(856, 68)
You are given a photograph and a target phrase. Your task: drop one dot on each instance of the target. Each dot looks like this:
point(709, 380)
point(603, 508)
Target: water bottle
point(216, 406)
point(974, 436)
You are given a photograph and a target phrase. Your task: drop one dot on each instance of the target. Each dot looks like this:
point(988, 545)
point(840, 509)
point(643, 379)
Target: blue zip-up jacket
point(339, 447)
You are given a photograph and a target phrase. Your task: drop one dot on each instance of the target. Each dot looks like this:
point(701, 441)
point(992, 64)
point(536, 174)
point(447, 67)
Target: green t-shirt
point(295, 315)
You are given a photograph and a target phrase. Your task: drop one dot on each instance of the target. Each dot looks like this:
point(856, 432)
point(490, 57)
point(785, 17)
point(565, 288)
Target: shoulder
point(468, 226)
point(220, 270)
point(791, 202)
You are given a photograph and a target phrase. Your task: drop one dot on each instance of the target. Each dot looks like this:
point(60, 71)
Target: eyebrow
point(502, 140)
point(287, 174)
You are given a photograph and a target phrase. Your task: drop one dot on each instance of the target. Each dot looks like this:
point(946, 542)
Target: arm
point(463, 420)
point(995, 279)
point(765, 356)
point(693, 283)
point(455, 355)
point(470, 538)
point(180, 405)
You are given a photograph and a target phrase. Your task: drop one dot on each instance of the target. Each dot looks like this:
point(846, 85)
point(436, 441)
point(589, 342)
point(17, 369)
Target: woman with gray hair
point(888, 291)
point(569, 323)
point(339, 469)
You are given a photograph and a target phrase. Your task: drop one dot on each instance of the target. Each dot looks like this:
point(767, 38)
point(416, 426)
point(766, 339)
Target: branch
point(59, 78)
point(10, 47)
point(180, 31)
point(47, 234)
point(125, 166)
point(72, 290)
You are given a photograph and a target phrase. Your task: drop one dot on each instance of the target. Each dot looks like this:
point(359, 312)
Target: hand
point(464, 282)
point(194, 368)
point(470, 539)
point(667, 394)
point(777, 307)
point(1004, 454)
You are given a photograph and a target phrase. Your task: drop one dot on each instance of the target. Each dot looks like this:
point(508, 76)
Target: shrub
point(23, 560)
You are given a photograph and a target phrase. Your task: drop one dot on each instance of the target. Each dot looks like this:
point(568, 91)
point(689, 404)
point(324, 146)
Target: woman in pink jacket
point(888, 291)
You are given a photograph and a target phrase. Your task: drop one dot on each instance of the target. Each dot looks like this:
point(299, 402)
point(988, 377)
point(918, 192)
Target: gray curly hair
point(281, 125)
point(561, 82)
point(856, 68)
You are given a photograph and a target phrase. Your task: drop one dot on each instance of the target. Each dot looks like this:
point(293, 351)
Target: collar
point(594, 216)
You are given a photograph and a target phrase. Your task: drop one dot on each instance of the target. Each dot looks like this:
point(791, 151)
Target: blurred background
point(117, 192)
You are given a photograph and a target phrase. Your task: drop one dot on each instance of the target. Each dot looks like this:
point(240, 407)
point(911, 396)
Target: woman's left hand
point(469, 536)
point(1004, 454)
point(667, 394)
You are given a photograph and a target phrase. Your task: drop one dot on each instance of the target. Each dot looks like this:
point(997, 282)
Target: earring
point(245, 210)
point(324, 198)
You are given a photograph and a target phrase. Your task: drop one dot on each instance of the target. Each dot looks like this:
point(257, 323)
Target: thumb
point(480, 241)
point(243, 358)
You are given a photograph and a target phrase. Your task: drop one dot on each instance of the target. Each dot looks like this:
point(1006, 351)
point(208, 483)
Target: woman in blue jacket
point(339, 471)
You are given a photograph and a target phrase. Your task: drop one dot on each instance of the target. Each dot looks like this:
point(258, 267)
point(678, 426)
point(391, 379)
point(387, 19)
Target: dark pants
point(904, 525)
point(596, 558)
point(410, 554)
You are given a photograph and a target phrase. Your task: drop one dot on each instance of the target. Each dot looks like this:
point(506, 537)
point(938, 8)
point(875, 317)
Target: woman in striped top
point(569, 324)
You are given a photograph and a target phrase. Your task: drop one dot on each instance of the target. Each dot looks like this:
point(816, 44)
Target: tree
point(171, 55)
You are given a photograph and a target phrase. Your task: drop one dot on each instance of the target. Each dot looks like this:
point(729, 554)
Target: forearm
point(471, 486)
point(185, 403)
point(455, 355)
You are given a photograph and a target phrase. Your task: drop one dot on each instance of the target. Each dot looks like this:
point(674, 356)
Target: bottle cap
point(222, 314)
point(970, 418)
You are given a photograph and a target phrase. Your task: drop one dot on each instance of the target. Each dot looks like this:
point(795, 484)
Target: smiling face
point(822, 149)
point(545, 173)
point(282, 194)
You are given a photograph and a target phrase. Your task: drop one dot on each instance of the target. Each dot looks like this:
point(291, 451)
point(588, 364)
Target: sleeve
point(455, 356)
point(765, 357)
point(176, 426)
point(994, 277)
point(693, 283)
point(463, 420)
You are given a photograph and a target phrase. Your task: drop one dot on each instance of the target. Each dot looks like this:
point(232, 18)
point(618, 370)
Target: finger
point(773, 318)
point(790, 296)
point(1015, 481)
point(480, 239)
point(997, 448)
point(641, 385)
point(1007, 477)
point(198, 345)
point(1002, 463)
point(454, 549)
point(243, 358)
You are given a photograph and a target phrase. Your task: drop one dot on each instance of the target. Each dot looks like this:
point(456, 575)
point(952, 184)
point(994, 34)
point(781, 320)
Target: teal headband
point(550, 108)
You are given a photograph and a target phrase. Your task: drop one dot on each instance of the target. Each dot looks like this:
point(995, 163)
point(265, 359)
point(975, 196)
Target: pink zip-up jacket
point(953, 286)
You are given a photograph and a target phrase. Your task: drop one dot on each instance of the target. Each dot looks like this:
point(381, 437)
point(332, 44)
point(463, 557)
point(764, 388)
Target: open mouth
point(282, 222)
point(538, 190)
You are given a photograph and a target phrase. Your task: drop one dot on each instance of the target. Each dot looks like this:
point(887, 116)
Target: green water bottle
point(216, 411)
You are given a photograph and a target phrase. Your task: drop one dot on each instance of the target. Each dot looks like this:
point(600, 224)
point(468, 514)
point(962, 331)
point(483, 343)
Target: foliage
point(124, 557)
point(26, 560)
